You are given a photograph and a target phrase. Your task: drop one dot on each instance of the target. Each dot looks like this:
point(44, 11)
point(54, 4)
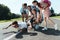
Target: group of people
point(33, 15)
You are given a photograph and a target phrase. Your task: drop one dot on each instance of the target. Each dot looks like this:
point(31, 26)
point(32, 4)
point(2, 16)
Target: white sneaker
point(55, 26)
point(45, 28)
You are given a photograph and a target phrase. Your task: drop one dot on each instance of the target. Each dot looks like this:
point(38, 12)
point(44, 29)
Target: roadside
point(6, 21)
point(56, 17)
point(20, 19)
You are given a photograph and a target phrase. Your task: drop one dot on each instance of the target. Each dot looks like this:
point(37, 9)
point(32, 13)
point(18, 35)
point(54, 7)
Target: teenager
point(34, 19)
point(22, 26)
point(44, 6)
point(35, 6)
point(24, 12)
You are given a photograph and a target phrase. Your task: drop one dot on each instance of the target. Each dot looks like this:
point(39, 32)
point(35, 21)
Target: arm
point(30, 17)
point(7, 27)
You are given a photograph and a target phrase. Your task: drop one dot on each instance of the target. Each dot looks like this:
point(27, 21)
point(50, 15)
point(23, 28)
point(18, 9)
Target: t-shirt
point(35, 7)
point(25, 11)
point(22, 25)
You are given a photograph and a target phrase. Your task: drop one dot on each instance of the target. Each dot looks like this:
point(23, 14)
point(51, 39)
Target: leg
point(29, 26)
point(26, 15)
point(55, 25)
point(51, 21)
point(23, 17)
point(45, 24)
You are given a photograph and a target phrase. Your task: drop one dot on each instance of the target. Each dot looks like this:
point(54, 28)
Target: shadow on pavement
point(20, 35)
point(50, 31)
point(9, 32)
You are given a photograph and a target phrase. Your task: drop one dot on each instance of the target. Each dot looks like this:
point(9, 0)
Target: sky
point(15, 5)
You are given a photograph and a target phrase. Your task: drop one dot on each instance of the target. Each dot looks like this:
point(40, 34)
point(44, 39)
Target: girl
point(34, 19)
point(44, 6)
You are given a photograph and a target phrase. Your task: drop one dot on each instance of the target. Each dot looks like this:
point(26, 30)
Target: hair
point(30, 7)
point(34, 10)
point(39, 5)
point(25, 4)
point(15, 22)
point(35, 1)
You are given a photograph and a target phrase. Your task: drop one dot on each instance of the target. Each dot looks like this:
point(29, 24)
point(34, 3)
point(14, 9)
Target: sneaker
point(55, 26)
point(45, 28)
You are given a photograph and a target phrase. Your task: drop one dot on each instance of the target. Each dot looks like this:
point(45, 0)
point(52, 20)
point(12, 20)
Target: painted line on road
point(10, 37)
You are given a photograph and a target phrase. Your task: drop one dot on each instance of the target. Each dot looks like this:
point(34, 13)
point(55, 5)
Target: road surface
point(50, 34)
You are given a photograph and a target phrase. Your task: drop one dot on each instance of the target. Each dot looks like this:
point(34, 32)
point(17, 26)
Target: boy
point(22, 26)
point(34, 6)
point(24, 12)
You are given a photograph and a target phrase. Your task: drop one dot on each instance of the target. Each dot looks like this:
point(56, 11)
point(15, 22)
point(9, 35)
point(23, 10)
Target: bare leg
point(29, 27)
point(51, 21)
point(26, 16)
point(55, 25)
point(23, 17)
point(45, 24)
point(45, 21)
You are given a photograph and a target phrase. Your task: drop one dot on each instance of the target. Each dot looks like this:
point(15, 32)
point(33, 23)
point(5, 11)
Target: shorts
point(24, 30)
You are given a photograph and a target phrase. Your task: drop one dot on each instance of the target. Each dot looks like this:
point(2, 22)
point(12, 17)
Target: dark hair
point(38, 4)
point(15, 22)
point(34, 10)
point(35, 2)
point(25, 4)
point(29, 6)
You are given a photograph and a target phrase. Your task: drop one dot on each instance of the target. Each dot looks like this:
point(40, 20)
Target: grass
point(19, 19)
point(16, 19)
point(57, 17)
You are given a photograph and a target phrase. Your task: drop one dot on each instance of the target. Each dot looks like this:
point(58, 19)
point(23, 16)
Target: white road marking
point(9, 37)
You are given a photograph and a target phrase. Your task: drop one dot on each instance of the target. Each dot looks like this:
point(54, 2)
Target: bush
point(5, 13)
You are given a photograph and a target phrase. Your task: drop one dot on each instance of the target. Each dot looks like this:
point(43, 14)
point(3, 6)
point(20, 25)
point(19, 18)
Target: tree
point(4, 12)
point(13, 15)
point(52, 12)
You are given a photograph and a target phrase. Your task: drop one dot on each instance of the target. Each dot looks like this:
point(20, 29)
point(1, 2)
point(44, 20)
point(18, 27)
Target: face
point(29, 8)
point(33, 12)
point(15, 26)
point(35, 3)
point(24, 6)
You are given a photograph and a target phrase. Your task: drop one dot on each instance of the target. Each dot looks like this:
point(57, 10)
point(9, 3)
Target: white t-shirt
point(22, 25)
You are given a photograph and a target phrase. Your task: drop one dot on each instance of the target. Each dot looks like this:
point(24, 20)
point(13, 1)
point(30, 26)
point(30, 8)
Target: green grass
point(19, 19)
point(57, 17)
point(16, 19)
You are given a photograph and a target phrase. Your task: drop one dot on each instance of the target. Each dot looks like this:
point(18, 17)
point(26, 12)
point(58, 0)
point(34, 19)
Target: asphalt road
point(50, 34)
